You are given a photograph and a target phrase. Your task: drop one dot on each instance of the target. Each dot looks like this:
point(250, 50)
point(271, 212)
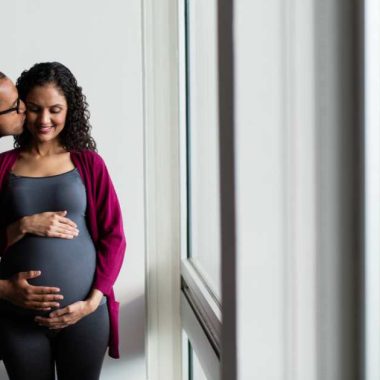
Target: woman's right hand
point(47, 224)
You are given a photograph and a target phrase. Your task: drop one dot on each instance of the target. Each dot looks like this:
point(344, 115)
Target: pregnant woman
point(55, 168)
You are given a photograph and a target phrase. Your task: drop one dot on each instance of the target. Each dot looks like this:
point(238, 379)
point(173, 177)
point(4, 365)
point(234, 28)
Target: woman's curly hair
point(75, 135)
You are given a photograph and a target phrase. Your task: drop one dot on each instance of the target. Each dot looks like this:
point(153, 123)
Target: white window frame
point(315, 265)
point(162, 192)
point(200, 311)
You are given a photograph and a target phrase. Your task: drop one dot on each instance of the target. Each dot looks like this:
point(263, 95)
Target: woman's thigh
point(80, 348)
point(26, 350)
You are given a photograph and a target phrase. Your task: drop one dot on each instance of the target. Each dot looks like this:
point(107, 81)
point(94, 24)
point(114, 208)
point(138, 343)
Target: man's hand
point(71, 314)
point(47, 224)
point(18, 291)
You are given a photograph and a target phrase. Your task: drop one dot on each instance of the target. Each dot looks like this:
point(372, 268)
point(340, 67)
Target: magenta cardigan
point(104, 221)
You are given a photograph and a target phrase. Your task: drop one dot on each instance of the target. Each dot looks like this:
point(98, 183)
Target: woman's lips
point(44, 130)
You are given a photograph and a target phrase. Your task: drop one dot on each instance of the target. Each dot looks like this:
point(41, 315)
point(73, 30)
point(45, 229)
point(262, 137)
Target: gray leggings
point(32, 352)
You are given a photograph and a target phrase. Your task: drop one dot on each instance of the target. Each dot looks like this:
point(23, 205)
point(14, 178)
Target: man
point(17, 289)
point(12, 114)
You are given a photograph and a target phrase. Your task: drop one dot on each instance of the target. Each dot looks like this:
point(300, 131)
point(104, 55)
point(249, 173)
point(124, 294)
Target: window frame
point(163, 343)
point(313, 112)
point(201, 313)
point(370, 66)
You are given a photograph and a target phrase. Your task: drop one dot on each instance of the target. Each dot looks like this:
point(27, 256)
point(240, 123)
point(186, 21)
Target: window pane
point(196, 371)
point(195, 368)
point(202, 141)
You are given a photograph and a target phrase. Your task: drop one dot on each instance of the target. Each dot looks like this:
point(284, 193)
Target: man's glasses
point(17, 108)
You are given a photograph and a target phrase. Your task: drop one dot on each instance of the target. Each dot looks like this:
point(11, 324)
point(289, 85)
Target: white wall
point(372, 189)
point(101, 44)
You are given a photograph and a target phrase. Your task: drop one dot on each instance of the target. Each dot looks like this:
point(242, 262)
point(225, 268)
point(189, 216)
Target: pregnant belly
point(66, 264)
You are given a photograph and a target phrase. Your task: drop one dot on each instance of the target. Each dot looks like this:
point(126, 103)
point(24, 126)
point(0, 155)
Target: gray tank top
point(67, 264)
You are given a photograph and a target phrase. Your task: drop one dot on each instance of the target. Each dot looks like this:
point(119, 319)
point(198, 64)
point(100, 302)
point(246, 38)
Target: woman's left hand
point(73, 313)
point(66, 316)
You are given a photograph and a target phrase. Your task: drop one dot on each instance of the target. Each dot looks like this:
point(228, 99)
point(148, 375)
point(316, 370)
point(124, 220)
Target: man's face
point(11, 123)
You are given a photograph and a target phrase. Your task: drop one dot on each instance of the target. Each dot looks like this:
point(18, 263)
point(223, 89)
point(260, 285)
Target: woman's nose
point(44, 118)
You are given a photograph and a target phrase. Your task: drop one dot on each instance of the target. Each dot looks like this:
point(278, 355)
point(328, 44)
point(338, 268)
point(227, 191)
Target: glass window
point(200, 189)
point(196, 372)
point(202, 141)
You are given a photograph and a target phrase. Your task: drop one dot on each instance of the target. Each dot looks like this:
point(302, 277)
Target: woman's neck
point(44, 150)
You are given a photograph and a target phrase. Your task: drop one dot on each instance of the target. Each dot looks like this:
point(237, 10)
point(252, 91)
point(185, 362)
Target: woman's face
point(46, 110)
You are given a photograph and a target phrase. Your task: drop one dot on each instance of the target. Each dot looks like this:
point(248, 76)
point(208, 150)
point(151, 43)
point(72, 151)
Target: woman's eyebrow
point(37, 105)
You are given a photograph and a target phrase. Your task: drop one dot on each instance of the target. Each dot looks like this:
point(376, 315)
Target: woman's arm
point(48, 224)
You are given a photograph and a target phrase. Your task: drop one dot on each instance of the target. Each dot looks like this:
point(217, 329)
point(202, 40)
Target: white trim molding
point(162, 191)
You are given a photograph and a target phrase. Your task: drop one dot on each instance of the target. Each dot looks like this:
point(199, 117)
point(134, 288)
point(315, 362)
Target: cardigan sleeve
point(3, 239)
point(6, 161)
point(111, 242)
point(3, 227)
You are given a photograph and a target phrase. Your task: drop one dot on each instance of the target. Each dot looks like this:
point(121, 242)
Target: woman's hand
point(71, 314)
point(47, 224)
point(67, 316)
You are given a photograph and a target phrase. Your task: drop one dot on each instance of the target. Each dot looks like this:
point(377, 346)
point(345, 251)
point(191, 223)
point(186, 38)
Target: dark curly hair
point(75, 136)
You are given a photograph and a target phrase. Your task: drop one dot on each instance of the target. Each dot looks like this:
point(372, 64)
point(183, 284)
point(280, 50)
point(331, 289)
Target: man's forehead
point(6, 82)
point(8, 91)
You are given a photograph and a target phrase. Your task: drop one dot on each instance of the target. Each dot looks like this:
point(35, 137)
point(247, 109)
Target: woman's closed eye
point(56, 110)
point(34, 109)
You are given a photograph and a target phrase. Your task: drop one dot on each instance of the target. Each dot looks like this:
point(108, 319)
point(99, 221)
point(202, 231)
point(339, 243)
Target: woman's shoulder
point(89, 156)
